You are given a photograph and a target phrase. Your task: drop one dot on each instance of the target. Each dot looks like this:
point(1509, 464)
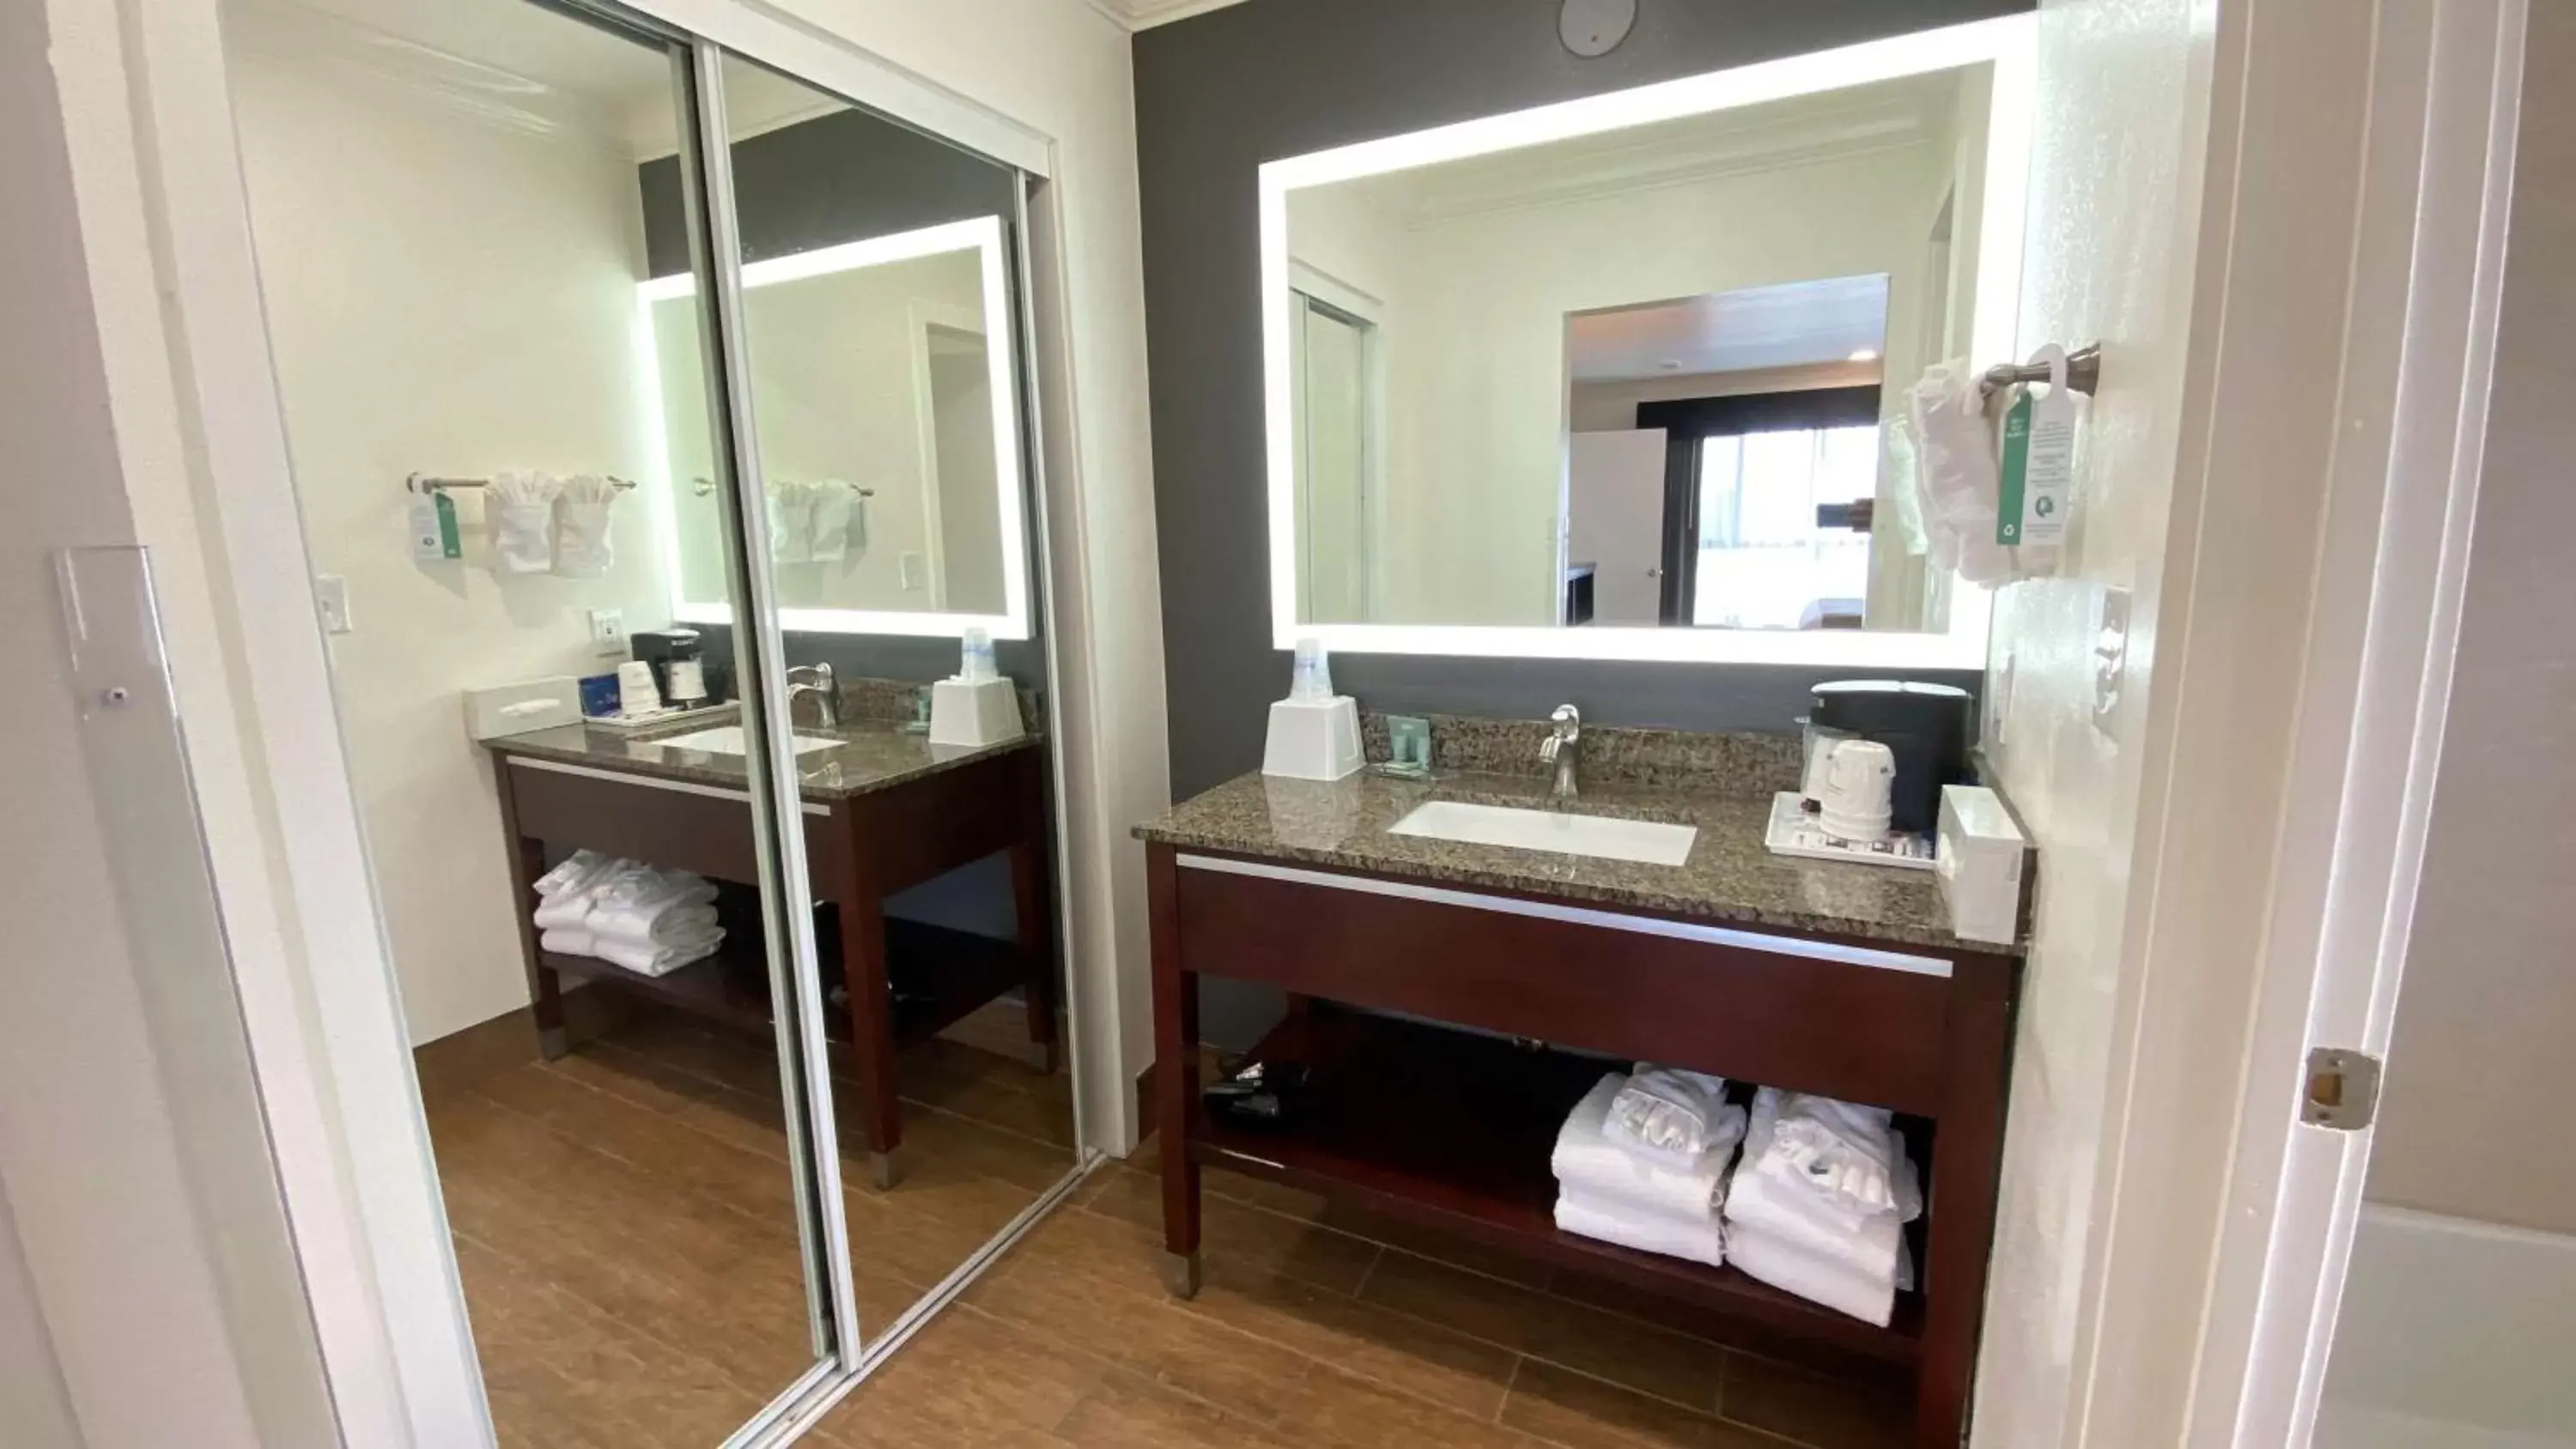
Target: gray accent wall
point(1219, 94)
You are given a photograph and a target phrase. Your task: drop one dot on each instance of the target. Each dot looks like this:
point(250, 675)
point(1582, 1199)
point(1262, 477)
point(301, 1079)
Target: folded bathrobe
point(1608, 1188)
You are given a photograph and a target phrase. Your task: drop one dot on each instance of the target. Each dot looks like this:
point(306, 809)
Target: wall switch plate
point(608, 633)
point(910, 565)
point(331, 596)
point(2110, 656)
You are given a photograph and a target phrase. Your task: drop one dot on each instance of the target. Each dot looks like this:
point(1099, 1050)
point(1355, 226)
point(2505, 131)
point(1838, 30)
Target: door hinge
point(2342, 1091)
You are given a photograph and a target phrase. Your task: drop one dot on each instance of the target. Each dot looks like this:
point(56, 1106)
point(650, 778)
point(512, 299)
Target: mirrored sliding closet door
point(881, 338)
point(657, 424)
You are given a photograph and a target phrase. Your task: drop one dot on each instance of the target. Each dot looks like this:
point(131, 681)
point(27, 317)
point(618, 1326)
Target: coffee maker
point(678, 658)
point(1924, 726)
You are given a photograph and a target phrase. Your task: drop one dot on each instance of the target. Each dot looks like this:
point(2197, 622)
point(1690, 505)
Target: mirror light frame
point(982, 235)
point(2007, 43)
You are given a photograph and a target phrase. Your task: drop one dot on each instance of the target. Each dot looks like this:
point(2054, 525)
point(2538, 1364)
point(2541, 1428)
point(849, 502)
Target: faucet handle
point(1568, 721)
point(1548, 747)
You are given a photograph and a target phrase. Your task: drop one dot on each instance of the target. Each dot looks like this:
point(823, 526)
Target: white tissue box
point(1979, 856)
point(1313, 739)
point(977, 712)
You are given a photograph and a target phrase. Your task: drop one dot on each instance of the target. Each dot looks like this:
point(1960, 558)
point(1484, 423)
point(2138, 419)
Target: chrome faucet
point(816, 680)
point(1560, 748)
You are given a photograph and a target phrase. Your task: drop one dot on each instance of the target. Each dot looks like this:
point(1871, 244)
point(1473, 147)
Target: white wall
point(1477, 400)
point(452, 295)
point(836, 395)
point(2116, 103)
point(124, 1281)
point(1611, 407)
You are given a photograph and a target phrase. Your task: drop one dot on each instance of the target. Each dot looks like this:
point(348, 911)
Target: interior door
point(1615, 524)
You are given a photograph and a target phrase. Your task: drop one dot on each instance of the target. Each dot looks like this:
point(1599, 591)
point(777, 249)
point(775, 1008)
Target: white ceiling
point(1795, 324)
point(514, 63)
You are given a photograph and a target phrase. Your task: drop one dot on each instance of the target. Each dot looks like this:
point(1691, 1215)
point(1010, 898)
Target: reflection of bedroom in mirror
point(1557, 373)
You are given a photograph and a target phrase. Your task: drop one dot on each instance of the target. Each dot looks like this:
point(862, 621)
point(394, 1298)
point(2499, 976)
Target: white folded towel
point(791, 522)
point(582, 546)
point(568, 941)
point(1587, 1157)
point(835, 503)
point(522, 508)
point(1668, 1110)
point(658, 960)
point(567, 911)
point(1785, 1265)
point(657, 927)
point(1696, 1237)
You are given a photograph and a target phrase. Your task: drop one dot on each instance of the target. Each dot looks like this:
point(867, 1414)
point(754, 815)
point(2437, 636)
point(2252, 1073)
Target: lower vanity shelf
point(1452, 1130)
point(939, 977)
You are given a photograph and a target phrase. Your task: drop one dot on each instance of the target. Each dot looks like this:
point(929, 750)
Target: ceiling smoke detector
point(1595, 27)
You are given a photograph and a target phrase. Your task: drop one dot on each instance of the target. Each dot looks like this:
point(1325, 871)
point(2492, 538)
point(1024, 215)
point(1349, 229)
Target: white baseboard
point(2453, 1332)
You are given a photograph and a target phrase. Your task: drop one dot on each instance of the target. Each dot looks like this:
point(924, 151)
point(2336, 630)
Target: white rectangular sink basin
point(1647, 842)
point(727, 740)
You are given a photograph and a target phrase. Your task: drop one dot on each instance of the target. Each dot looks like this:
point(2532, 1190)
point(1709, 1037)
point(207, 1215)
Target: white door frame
point(2320, 509)
point(147, 113)
point(2386, 627)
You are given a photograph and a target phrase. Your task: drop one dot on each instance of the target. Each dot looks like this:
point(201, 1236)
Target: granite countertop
point(869, 755)
point(1730, 875)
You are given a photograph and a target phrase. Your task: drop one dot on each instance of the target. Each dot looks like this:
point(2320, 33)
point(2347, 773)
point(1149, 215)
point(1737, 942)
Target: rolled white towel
point(1695, 1236)
point(646, 889)
point(1586, 1157)
point(1838, 1147)
point(568, 941)
point(576, 871)
point(1785, 1265)
point(1841, 1155)
point(1668, 1110)
point(658, 926)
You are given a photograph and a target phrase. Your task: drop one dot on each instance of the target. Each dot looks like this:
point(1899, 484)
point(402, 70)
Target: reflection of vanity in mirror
point(1616, 380)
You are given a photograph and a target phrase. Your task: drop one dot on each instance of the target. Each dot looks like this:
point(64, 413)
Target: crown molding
point(1146, 14)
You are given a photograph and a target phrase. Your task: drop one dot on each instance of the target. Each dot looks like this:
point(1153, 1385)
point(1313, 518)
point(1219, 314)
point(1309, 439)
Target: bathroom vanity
point(884, 809)
point(1822, 977)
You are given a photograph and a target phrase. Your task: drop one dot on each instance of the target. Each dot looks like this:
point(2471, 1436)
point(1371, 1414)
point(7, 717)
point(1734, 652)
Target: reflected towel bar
point(423, 483)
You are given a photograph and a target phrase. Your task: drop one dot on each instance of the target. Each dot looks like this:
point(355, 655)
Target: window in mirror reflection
point(1509, 372)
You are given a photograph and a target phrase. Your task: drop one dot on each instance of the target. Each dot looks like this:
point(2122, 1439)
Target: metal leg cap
point(883, 1170)
point(1181, 1274)
point(554, 1044)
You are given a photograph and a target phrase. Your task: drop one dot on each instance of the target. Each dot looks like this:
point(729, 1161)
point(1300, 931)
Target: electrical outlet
point(910, 564)
point(608, 633)
point(331, 596)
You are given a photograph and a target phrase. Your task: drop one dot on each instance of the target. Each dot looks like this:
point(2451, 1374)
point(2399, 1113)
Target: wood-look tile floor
point(623, 1223)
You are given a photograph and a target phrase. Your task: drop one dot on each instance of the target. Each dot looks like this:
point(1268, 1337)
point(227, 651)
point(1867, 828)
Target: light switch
point(331, 596)
point(608, 633)
point(2110, 656)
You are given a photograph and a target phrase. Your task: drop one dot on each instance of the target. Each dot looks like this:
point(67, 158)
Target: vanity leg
point(1967, 1168)
point(863, 967)
point(527, 857)
point(1034, 920)
point(1176, 1073)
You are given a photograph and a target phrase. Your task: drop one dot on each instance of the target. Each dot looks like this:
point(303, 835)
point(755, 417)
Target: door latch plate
point(2342, 1090)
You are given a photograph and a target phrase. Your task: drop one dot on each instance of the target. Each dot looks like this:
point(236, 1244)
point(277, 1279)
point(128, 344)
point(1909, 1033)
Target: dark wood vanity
point(1829, 978)
point(883, 810)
